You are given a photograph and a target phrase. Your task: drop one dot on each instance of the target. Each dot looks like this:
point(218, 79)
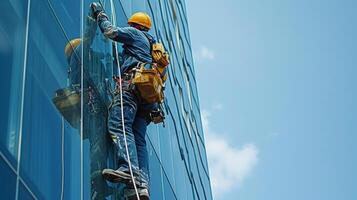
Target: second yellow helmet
point(140, 18)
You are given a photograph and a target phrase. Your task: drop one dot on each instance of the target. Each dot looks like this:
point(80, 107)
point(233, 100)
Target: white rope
point(121, 105)
point(82, 102)
point(62, 159)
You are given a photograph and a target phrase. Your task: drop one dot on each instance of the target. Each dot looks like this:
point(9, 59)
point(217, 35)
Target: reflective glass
point(121, 10)
point(154, 137)
point(7, 180)
point(166, 138)
point(155, 175)
point(51, 143)
point(195, 170)
point(138, 6)
point(68, 13)
point(168, 190)
point(98, 69)
point(127, 7)
point(24, 194)
point(13, 19)
point(179, 171)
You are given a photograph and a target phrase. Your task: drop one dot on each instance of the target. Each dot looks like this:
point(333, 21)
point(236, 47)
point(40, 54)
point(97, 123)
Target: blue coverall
point(137, 48)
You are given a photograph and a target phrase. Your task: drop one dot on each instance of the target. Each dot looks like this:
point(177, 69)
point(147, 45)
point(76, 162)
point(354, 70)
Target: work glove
point(96, 9)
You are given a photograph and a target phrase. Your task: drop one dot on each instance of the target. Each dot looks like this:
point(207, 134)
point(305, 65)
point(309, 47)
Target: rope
point(62, 159)
point(121, 104)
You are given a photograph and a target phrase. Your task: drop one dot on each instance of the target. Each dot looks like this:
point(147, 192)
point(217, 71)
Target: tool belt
point(125, 81)
point(148, 84)
point(155, 116)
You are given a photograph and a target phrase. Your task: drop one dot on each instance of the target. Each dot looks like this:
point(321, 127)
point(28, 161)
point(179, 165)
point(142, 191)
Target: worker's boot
point(130, 194)
point(118, 176)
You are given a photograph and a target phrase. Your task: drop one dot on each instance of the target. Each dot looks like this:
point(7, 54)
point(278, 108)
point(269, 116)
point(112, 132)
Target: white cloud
point(204, 53)
point(228, 165)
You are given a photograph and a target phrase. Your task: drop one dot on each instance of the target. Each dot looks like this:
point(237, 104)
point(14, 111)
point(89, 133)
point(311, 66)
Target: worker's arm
point(118, 34)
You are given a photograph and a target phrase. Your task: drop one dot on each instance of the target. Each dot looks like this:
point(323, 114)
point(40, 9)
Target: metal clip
point(157, 116)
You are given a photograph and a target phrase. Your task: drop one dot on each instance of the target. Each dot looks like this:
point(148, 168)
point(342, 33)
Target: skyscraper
point(43, 155)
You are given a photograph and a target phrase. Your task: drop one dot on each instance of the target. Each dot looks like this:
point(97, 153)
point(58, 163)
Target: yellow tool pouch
point(149, 84)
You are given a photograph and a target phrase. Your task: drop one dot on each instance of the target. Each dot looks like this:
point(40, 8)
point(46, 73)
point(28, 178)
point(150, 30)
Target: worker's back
point(137, 47)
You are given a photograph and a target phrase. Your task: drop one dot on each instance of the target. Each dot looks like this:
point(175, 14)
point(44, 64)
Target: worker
point(137, 49)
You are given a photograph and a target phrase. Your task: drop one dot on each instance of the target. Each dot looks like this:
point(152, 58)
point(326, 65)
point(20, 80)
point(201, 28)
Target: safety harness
point(147, 80)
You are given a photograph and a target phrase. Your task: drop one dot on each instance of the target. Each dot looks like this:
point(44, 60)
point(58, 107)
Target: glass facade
point(48, 151)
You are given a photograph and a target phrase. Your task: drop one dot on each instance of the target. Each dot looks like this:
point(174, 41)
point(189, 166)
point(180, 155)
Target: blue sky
point(277, 85)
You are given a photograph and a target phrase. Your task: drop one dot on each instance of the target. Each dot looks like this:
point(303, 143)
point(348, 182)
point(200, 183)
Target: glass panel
point(126, 7)
point(24, 194)
point(7, 181)
point(166, 134)
point(50, 156)
point(121, 11)
point(154, 135)
point(98, 66)
point(12, 42)
point(138, 6)
point(168, 192)
point(68, 14)
point(155, 175)
point(70, 166)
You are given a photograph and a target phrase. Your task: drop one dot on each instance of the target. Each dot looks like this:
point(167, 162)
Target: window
point(13, 20)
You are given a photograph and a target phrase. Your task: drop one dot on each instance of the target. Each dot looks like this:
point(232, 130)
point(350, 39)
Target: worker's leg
point(139, 129)
point(141, 122)
point(115, 128)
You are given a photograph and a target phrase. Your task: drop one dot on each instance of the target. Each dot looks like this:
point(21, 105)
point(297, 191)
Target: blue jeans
point(135, 130)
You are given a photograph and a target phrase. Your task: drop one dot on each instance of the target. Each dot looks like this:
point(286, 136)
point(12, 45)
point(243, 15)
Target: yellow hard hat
point(140, 18)
point(71, 45)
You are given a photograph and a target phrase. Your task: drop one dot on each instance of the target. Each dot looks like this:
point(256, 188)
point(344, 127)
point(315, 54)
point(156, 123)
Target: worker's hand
point(96, 9)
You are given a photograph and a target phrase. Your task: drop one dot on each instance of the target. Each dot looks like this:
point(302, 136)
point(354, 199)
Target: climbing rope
point(121, 103)
point(62, 158)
